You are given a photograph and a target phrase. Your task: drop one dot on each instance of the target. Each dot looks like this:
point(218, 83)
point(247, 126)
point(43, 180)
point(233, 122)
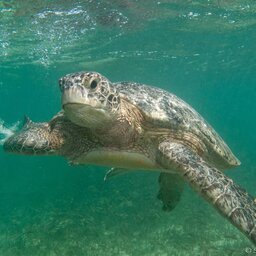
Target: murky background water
point(203, 51)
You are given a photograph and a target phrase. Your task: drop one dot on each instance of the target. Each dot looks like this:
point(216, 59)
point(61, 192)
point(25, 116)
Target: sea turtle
point(61, 137)
point(131, 126)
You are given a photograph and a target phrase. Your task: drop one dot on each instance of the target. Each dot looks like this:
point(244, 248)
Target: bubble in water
point(7, 131)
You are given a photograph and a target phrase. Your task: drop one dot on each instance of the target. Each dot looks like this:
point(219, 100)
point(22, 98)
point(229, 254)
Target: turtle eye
point(94, 84)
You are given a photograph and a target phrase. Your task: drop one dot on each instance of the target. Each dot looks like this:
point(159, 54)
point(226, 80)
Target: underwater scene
point(202, 51)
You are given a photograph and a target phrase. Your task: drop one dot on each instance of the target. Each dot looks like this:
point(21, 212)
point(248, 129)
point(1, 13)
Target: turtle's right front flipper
point(230, 199)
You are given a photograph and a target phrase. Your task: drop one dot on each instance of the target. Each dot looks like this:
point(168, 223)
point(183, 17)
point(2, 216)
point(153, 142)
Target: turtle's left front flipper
point(230, 199)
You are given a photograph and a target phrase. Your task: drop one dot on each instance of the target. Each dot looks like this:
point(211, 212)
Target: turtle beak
point(74, 95)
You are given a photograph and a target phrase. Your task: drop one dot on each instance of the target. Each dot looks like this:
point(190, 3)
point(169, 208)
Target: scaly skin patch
point(231, 201)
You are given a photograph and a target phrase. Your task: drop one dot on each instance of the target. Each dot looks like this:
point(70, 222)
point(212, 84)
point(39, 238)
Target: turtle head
point(89, 99)
point(33, 138)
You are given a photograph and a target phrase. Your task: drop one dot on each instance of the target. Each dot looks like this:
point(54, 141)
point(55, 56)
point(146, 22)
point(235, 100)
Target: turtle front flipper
point(230, 199)
point(37, 138)
point(171, 187)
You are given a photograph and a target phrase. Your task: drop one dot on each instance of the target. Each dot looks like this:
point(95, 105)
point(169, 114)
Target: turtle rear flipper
point(231, 200)
point(114, 171)
point(171, 187)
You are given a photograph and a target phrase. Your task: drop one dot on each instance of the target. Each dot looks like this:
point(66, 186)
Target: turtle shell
point(164, 110)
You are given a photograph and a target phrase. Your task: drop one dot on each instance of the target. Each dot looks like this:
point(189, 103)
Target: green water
point(203, 51)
